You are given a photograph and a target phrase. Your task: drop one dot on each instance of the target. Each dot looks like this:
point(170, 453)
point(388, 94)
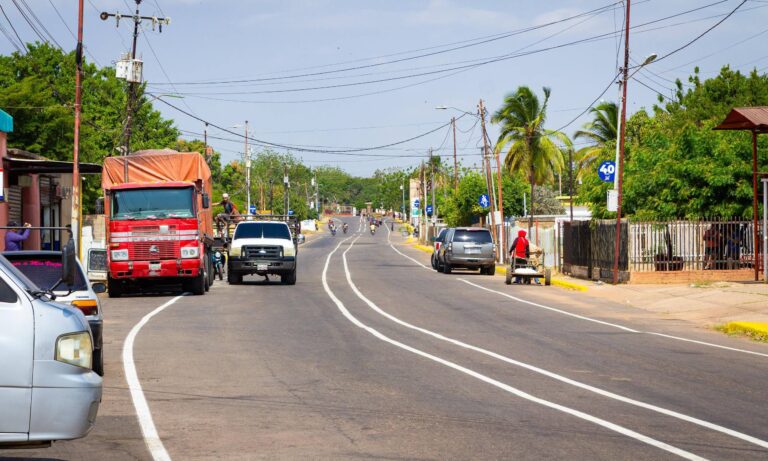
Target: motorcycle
point(218, 265)
point(333, 231)
point(373, 230)
point(345, 228)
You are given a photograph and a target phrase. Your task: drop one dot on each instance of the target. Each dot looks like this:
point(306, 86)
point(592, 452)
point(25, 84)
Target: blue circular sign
point(416, 203)
point(484, 201)
point(252, 210)
point(607, 171)
point(429, 210)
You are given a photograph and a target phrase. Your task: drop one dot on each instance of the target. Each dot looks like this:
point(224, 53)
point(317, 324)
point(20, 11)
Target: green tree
point(529, 147)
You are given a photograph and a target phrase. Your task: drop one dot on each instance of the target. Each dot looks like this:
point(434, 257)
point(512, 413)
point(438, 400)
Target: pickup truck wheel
point(289, 278)
point(233, 278)
point(114, 288)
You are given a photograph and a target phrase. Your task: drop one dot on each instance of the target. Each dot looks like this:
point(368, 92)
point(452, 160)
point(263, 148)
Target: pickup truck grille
point(152, 251)
point(262, 252)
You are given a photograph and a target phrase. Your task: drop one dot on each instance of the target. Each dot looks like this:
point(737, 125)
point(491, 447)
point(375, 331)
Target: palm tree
point(529, 146)
point(601, 132)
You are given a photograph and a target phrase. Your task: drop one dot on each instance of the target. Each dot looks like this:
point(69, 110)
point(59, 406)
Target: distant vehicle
point(436, 245)
point(159, 222)
point(468, 248)
point(44, 269)
point(262, 248)
point(48, 389)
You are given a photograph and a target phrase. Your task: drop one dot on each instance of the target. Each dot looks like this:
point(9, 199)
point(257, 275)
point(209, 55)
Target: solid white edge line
point(535, 369)
point(148, 429)
point(512, 390)
point(553, 309)
point(677, 338)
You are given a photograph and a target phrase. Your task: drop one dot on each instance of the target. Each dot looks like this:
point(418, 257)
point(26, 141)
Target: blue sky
point(281, 40)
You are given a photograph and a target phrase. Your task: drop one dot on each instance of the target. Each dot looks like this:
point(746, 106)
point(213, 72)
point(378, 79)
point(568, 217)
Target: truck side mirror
point(206, 201)
point(68, 263)
point(100, 205)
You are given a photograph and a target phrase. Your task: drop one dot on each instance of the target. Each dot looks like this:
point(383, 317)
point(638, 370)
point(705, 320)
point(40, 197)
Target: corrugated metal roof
point(746, 118)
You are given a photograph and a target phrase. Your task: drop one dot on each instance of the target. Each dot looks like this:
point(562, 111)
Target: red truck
point(159, 222)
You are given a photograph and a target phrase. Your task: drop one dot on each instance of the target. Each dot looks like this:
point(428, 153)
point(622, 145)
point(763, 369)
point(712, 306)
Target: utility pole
point(208, 156)
point(622, 132)
point(132, 70)
point(433, 218)
point(455, 160)
point(489, 175)
point(502, 234)
point(76, 193)
point(247, 156)
point(285, 190)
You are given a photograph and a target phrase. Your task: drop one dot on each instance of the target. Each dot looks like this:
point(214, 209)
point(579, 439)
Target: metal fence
point(707, 244)
point(592, 244)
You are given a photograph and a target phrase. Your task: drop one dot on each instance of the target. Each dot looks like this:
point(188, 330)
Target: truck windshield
point(152, 203)
point(262, 230)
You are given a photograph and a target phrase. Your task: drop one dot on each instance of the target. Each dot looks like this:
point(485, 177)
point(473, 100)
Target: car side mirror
point(300, 238)
point(206, 201)
point(99, 287)
point(68, 263)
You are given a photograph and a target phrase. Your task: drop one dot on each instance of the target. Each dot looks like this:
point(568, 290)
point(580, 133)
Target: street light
point(247, 158)
point(618, 180)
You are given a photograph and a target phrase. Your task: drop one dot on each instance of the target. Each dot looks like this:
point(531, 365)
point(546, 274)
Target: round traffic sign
point(484, 201)
point(607, 171)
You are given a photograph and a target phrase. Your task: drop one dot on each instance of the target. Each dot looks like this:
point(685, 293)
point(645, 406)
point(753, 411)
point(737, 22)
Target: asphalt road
point(372, 355)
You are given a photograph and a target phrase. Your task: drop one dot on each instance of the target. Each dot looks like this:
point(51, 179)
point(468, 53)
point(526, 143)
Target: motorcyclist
point(345, 227)
point(373, 228)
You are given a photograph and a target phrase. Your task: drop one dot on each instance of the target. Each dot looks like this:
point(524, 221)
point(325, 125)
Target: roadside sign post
point(252, 209)
point(429, 210)
point(607, 171)
point(484, 201)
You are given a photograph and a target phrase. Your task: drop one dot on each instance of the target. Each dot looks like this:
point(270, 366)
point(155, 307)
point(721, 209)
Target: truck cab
point(262, 248)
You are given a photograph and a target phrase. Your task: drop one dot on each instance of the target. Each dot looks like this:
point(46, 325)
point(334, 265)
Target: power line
point(39, 22)
point(9, 37)
point(10, 23)
point(613, 79)
point(653, 89)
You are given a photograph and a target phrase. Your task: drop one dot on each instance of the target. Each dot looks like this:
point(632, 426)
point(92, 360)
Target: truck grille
point(262, 252)
point(151, 251)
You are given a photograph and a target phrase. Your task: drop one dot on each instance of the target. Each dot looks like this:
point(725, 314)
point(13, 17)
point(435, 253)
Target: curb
point(755, 330)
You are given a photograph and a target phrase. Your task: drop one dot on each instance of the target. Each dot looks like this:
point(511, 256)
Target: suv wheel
point(447, 268)
point(490, 270)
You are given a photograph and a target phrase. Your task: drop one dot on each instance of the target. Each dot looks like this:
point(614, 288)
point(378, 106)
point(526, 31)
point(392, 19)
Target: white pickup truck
point(263, 248)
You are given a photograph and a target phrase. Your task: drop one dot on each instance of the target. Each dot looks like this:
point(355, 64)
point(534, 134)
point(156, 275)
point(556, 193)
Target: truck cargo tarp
point(153, 166)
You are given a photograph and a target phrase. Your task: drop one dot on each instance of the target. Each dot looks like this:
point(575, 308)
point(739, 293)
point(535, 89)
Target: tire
point(547, 277)
point(508, 278)
point(447, 268)
point(289, 278)
point(434, 262)
point(220, 271)
point(206, 282)
point(233, 278)
point(490, 270)
point(98, 361)
point(114, 287)
point(197, 285)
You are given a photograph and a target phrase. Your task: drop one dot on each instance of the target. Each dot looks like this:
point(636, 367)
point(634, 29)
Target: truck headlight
point(236, 251)
point(289, 251)
point(190, 252)
point(119, 255)
point(75, 349)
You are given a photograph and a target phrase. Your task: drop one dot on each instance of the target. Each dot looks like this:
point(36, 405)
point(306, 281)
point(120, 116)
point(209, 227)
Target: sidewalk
point(740, 307)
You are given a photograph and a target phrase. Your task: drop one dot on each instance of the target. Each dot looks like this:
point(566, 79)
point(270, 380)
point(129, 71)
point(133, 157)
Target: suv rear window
point(259, 230)
point(474, 236)
point(45, 270)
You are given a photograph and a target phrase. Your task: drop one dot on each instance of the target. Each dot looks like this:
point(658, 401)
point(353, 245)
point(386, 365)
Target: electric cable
point(10, 23)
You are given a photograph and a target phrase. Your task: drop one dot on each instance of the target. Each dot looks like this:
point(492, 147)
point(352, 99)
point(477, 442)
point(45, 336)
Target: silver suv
point(469, 248)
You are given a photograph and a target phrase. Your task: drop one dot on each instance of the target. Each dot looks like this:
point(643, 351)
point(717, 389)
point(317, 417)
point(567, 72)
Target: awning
point(6, 122)
point(29, 166)
point(746, 118)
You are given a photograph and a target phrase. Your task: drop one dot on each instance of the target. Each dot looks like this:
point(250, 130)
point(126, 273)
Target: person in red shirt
point(520, 250)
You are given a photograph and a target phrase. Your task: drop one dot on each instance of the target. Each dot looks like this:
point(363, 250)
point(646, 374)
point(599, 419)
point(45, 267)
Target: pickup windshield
point(152, 203)
point(262, 230)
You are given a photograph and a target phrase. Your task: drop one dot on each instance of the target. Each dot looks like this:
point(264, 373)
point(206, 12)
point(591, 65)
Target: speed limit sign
point(607, 171)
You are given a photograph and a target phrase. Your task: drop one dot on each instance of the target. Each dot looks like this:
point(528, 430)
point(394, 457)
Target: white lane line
point(535, 369)
point(148, 430)
point(541, 306)
point(677, 338)
point(512, 390)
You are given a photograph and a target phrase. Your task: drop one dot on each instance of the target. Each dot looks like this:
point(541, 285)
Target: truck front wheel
point(197, 285)
point(289, 278)
point(114, 287)
point(233, 278)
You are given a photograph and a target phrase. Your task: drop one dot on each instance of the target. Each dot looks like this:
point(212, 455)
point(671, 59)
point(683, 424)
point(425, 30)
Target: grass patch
point(754, 330)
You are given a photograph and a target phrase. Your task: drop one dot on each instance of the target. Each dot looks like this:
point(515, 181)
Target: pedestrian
point(711, 239)
point(15, 236)
point(520, 250)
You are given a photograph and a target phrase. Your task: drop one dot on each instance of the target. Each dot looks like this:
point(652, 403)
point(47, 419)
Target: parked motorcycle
point(218, 265)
